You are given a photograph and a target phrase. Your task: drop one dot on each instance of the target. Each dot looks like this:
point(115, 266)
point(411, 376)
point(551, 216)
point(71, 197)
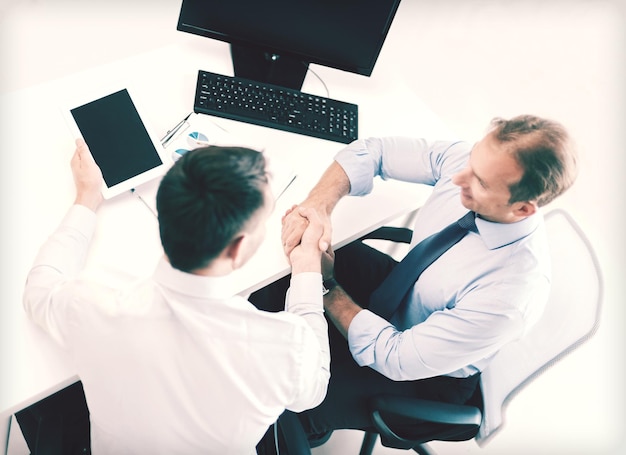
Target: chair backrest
point(570, 318)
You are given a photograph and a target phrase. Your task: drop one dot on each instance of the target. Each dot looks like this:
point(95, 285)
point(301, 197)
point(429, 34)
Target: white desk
point(37, 188)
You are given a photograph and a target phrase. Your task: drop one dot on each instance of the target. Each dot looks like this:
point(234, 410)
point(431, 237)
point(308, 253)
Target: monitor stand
point(262, 66)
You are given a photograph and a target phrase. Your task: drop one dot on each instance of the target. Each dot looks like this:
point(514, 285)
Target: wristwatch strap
point(328, 285)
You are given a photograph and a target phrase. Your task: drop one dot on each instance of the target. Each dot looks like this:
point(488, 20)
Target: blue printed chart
point(193, 140)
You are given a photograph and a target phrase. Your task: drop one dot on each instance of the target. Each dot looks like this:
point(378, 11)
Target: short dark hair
point(205, 199)
point(544, 150)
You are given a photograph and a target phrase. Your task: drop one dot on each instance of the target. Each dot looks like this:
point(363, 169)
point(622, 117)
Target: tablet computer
point(115, 130)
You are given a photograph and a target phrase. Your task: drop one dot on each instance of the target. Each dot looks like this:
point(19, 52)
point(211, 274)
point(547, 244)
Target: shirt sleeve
point(445, 342)
point(304, 299)
point(59, 259)
point(400, 158)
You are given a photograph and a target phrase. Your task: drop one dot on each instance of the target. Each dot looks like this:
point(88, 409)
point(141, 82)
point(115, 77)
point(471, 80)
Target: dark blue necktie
point(386, 299)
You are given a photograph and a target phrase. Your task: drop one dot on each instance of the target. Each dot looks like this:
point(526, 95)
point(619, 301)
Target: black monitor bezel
point(275, 53)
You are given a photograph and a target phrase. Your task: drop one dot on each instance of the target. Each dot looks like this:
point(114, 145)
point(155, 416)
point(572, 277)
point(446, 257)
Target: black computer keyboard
point(276, 107)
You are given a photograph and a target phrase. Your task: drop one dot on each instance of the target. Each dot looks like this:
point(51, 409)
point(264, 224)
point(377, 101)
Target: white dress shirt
point(176, 364)
point(485, 291)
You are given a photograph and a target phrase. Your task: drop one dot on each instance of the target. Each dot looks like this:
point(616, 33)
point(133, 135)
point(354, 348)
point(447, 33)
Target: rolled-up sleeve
point(446, 342)
point(400, 158)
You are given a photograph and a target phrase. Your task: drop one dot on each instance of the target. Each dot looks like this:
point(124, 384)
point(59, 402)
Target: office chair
point(285, 437)
point(292, 438)
point(571, 317)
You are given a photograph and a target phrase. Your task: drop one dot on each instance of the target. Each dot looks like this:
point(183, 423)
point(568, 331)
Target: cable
point(132, 190)
point(323, 83)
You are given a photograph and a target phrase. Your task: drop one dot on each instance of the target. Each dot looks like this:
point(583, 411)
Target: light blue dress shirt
point(484, 292)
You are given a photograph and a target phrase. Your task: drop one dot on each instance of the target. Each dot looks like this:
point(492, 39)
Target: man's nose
point(458, 178)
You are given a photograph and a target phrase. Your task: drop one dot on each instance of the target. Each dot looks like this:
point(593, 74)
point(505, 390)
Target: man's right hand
point(295, 224)
point(306, 256)
point(87, 177)
point(332, 186)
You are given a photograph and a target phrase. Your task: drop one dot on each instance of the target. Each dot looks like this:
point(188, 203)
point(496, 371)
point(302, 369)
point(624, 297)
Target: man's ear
point(524, 209)
point(234, 250)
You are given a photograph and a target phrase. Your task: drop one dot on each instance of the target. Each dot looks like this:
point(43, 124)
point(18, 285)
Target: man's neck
point(216, 269)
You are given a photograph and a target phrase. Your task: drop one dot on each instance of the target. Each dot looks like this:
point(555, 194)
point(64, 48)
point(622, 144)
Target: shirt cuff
point(305, 288)
point(363, 332)
point(82, 219)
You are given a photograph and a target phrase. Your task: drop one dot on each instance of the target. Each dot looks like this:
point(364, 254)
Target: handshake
point(306, 236)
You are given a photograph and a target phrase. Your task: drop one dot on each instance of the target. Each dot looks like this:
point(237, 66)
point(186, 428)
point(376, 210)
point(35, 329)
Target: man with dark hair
point(427, 329)
point(176, 363)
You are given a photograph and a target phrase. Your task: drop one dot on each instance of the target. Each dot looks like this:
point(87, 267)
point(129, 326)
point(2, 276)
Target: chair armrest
point(427, 421)
point(394, 234)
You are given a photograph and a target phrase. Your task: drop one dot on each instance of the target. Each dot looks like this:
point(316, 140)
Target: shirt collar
point(496, 235)
point(193, 285)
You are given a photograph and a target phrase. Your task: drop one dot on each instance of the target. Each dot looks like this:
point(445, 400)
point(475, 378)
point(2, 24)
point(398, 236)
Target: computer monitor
point(275, 40)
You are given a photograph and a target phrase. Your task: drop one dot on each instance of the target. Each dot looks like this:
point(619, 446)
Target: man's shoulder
point(455, 152)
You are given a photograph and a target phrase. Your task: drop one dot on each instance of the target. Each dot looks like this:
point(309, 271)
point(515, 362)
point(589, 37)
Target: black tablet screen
point(116, 136)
